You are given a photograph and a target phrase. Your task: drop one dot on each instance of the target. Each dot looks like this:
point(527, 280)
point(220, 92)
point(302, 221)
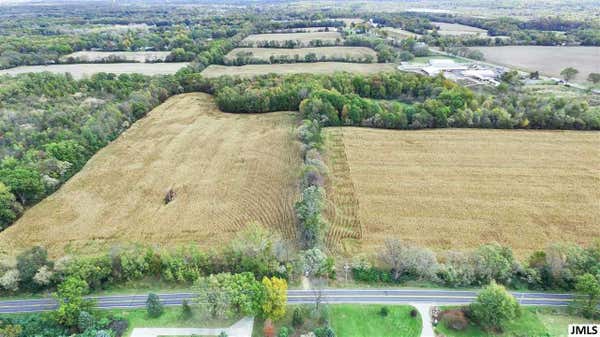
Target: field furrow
point(460, 188)
point(343, 207)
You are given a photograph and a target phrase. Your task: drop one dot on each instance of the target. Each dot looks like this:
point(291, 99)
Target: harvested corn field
point(362, 54)
point(107, 56)
point(251, 70)
point(225, 170)
point(302, 38)
point(83, 70)
point(459, 188)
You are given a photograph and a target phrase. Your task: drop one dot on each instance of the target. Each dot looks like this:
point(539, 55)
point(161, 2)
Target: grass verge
point(527, 325)
point(352, 320)
point(171, 318)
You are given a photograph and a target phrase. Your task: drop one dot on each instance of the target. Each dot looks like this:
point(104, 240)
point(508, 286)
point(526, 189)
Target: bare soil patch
point(548, 60)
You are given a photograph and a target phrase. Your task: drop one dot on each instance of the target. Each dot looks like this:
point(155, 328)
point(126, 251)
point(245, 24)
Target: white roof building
point(437, 66)
point(480, 74)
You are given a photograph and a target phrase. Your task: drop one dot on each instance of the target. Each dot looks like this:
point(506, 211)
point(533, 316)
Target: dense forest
point(401, 101)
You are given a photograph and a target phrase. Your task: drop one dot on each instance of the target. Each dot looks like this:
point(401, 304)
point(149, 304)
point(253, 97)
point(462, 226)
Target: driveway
point(425, 311)
point(243, 328)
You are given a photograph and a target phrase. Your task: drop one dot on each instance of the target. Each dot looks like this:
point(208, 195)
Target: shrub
point(223, 334)
point(588, 289)
point(10, 280)
point(414, 313)
point(494, 307)
point(308, 211)
point(283, 332)
point(186, 310)
point(71, 302)
point(297, 318)
point(8, 207)
point(103, 333)
point(85, 321)
point(323, 315)
point(404, 258)
point(43, 277)
point(29, 263)
point(384, 311)
point(455, 319)
point(153, 306)
point(324, 332)
point(118, 326)
point(269, 329)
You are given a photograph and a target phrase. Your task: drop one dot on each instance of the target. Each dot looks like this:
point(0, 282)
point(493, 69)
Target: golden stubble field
point(226, 169)
point(251, 70)
point(459, 188)
point(85, 70)
point(303, 38)
point(357, 53)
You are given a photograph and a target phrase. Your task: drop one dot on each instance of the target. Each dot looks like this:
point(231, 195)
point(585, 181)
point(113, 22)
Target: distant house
point(480, 74)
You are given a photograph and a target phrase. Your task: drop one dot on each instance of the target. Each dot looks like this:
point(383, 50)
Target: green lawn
point(171, 318)
point(557, 321)
point(534, 322)
point(351, 320)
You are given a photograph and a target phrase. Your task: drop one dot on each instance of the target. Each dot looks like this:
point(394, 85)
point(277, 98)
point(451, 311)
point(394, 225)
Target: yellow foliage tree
point(275, 299)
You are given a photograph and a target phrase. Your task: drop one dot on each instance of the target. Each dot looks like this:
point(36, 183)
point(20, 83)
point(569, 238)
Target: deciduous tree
point(494, 307)
point(71, 302)
point(569, 73)
point(275, 298)
point(588, 289)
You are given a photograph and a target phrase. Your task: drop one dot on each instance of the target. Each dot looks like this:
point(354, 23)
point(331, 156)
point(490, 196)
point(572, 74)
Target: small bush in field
point(455, 319)
point(283, 332)
point(297, 319)
point(384, 311)
point(153, 306)
point(186, 310)
point(269, 329)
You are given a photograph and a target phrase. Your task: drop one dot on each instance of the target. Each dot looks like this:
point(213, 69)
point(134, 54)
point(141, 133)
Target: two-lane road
point(374, 296)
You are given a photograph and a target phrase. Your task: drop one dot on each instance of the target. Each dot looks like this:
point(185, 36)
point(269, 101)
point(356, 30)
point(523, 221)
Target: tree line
point(402, 101)
point(246, 278)
point(560, 266)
